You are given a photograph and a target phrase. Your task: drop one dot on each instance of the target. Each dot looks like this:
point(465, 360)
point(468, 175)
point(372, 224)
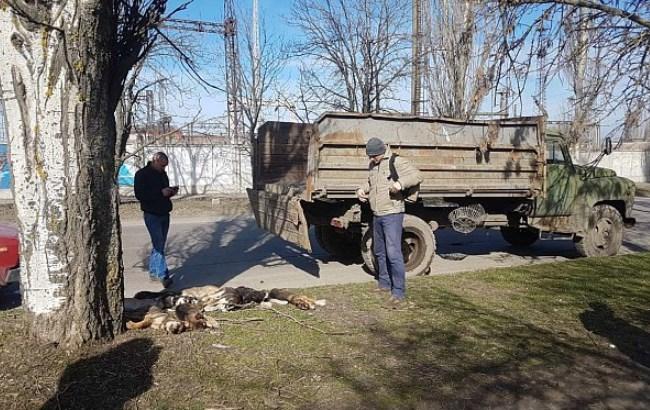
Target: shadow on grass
point(507, 349)
point(107, 381)
point(630, 340)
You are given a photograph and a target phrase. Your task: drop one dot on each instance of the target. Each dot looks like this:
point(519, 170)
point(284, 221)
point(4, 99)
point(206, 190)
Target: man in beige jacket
point(385, 192)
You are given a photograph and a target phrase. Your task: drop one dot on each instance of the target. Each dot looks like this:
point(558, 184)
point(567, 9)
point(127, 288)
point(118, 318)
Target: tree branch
point(590, 4)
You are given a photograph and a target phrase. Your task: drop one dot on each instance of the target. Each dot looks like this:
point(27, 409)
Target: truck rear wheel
point(604, 234)
point(418, 246)
point(519, 237)
point(336, 243)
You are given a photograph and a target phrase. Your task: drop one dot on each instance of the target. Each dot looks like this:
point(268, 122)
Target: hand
point(361, 194)
point(395, 188)
point(167, 192)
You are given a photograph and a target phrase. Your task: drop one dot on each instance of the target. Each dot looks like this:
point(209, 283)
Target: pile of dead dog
point(180, 311)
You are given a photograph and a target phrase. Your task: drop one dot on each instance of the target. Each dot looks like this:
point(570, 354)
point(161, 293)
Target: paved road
point(234, 252)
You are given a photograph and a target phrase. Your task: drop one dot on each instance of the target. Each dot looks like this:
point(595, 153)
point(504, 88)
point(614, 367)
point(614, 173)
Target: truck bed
point(327, 160)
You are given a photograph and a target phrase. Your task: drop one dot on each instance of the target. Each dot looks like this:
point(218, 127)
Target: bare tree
point(614, 35)
point(62, 73)
point(356, 51)
point(465, 51)
point(584, 72)
point(137, 109)
point(303, 102)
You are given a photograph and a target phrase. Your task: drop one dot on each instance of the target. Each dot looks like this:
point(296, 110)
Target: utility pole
point(416, 51)
point(256, 41)
point(420, 53)
point(228, 29)
point(256, 53)
point(235, 123)
point(541, 66)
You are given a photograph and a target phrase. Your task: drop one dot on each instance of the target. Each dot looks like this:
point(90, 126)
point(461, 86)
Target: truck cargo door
point(282, 215)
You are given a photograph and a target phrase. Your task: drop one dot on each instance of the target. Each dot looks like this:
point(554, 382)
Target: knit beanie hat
point(375, 146)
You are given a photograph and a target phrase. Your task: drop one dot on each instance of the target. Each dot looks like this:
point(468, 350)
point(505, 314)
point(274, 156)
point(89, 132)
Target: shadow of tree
point(221, 250)
point(107, 381)
point(630, 340)
point(456, 352)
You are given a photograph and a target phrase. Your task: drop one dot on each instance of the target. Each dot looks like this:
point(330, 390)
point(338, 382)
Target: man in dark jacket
point(153, 191)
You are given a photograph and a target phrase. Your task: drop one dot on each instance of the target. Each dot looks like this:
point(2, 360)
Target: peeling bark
point(57, 79)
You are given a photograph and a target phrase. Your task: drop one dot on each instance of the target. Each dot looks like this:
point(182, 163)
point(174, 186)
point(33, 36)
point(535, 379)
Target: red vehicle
point(9, 248)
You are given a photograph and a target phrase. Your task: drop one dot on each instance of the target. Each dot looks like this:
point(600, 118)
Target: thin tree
point(464, 56)
point(617, 39)
point(357, 51)
point(62, 72)
point(584, 73)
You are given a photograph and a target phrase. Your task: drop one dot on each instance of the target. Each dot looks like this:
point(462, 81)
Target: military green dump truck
point(509, 174)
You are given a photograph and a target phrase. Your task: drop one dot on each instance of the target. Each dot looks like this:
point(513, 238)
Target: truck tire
point(418, 247)
point(519, 237)
point(337, 244)
point(605, 233)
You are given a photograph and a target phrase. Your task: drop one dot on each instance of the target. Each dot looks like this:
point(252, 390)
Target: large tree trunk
point(59, 105)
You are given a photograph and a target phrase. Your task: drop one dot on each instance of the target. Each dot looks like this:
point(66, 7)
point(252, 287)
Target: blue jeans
point(387, 246)
point(158, 227)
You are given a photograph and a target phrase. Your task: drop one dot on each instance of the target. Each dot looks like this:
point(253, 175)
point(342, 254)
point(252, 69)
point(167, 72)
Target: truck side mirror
point(607, 148)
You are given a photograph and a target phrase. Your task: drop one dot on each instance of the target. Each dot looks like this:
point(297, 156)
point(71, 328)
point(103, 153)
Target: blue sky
point(211, 103)
point(275, 13)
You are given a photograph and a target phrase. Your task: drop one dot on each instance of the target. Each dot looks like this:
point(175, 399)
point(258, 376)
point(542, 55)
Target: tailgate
point(282, 215)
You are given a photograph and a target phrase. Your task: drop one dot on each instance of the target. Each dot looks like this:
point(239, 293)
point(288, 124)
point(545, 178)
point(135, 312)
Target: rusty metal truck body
point(508, 173)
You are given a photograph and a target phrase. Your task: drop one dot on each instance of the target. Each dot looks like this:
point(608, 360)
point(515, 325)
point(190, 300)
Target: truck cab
point(589, 202)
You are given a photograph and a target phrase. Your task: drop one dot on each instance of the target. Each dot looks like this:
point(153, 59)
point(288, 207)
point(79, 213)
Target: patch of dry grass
point(564, 335)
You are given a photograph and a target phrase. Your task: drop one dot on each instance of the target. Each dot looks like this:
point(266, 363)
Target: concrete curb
point(643, 189)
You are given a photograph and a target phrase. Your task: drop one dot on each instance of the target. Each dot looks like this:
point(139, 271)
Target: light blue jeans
point(158, 227)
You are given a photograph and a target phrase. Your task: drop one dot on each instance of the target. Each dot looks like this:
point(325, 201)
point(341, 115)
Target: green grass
point(562, 335)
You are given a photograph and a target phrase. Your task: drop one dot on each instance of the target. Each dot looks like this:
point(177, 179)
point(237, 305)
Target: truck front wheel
point(519, 237)
point(418, 247)
point(604, 234)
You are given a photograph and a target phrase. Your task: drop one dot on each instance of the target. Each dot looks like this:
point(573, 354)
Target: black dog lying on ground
point(176, 312)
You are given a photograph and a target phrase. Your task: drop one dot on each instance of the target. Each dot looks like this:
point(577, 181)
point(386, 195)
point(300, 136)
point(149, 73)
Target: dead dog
point(224, 299)
point(185, 316)
point(176, 312)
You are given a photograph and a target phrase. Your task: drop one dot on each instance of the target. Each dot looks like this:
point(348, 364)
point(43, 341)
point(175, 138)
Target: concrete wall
point(631, 160)
point(196, 168)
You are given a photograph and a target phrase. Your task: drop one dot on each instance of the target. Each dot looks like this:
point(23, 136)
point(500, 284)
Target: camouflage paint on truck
point(572, 191)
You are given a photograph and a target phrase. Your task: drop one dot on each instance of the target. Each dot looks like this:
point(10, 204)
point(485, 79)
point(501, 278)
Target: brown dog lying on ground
point(185, 316)
point(176, 312)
